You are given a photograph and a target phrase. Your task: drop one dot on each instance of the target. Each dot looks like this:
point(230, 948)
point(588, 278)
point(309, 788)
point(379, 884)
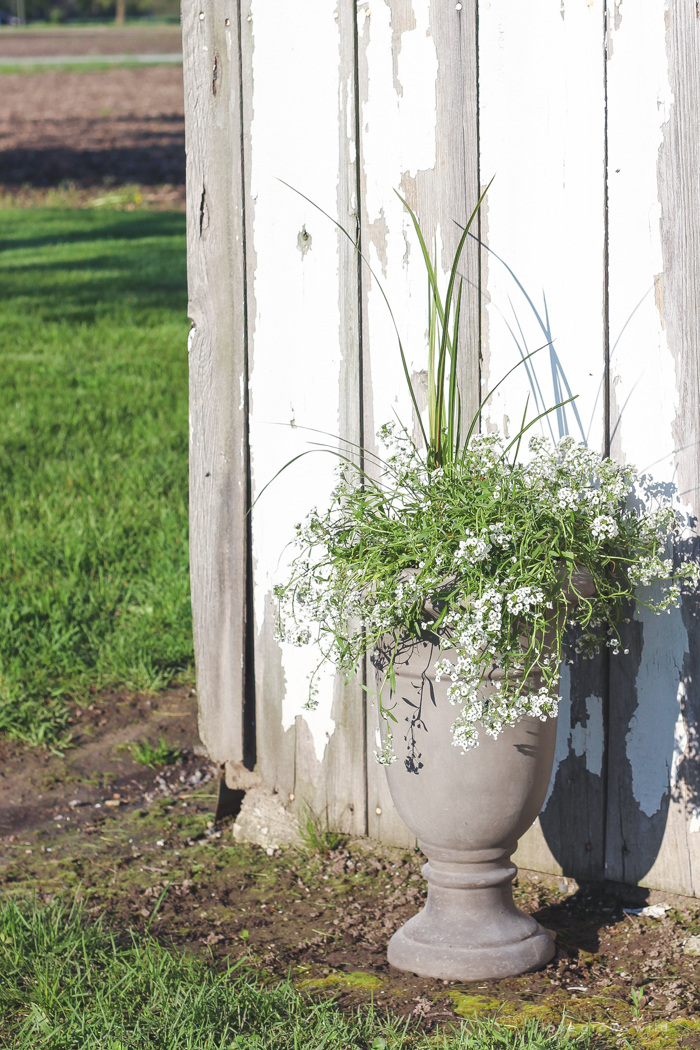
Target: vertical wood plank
point(304, 372)
point(679, 191)
point(542, 139)
point(654, 237)
point(570, 838)
point(417, 70)
point(542, 277)
point(217, 353)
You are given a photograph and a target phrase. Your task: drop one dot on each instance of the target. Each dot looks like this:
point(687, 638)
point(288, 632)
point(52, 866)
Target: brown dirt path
point(95, 823)
point(112, 127)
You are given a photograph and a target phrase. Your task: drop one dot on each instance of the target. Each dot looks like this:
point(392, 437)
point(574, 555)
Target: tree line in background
point(61, 11)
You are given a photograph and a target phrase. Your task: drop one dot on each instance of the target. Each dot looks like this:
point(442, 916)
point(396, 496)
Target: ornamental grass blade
point(518, 437)
point(453, 396)
point(480, 409)
point(442, 417)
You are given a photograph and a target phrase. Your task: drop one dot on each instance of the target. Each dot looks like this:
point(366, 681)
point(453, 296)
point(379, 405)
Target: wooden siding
point(585, 113)
point(217, 354)
point(304, 372)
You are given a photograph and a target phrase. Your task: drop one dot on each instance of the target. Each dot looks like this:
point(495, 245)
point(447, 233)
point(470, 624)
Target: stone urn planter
point(468, 812)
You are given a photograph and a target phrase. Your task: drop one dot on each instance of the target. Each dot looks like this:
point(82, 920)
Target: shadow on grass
point(150, 164)
point(92, 224)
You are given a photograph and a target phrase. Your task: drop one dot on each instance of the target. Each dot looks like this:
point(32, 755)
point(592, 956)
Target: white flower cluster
point(498, 712)
point(605, 526)
point(499, 535)
point(523, 599)
point(386, 755)
point(567, 499)
point(478, 554)
point(473, 549)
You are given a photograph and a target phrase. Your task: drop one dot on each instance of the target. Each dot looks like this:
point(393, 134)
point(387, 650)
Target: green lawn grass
point(93, 459)
point(68, 984)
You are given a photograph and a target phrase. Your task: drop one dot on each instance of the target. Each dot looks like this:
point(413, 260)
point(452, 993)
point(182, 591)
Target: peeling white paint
point(399, 127)
point(588, 739)
point(652, 735)
point(295, 349)
point(399, 139)
point(542, 118)
point(642, 365)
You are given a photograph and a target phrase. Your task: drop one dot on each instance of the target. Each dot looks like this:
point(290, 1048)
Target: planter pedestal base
point(470, 929)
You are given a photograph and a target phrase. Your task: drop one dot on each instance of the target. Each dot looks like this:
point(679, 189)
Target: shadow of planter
point(627, 757)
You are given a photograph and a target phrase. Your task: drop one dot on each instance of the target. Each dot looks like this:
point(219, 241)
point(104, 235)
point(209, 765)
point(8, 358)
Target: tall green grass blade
point(441, 421)
point(493, 390)
point(453, 398)
point(518, 437)
point(522, 428)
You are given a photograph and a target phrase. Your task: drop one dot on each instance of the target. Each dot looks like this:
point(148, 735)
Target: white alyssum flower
point(473, 549)
point(476, 557)
point(605, 526)
point(523, 599)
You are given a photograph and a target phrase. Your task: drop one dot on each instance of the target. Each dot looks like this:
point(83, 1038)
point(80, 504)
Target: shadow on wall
point(628, 746)
point(609, 803)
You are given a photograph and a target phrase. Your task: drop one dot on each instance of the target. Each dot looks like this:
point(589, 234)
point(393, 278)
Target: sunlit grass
point(69, 984)
point(154, 755)
point(93, 459)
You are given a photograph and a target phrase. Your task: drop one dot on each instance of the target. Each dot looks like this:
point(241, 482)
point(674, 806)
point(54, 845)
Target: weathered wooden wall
point(585, 112)
point(216, 275)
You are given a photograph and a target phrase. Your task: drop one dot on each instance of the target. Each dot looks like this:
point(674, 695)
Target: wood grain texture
point(542, 140)
point(304, 372)
point(435, 123)
point(654, 182)
point(217, 353)
point(339, 795)
point(679, 192)
point(418, 87)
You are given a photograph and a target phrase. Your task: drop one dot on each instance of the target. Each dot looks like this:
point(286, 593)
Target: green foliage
point(317, 835)
point(458, 542)
point(637, 997)
point(69, 984)
point(153, 756)
point(93, 459)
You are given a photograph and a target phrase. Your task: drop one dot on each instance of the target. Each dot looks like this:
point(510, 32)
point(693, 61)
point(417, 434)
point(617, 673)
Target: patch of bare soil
point(143, 846)
point(90, 40)
point(120, 126)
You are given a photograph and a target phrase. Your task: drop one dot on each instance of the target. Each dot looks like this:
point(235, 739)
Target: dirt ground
point(114, 127)
point(142, 846)
point(16, 42)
